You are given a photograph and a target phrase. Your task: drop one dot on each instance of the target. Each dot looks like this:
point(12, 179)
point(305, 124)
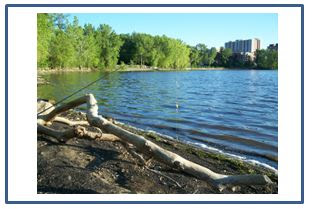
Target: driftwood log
point(141, 144)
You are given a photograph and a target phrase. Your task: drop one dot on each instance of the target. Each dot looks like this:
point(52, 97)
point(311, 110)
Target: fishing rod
point(65, 98)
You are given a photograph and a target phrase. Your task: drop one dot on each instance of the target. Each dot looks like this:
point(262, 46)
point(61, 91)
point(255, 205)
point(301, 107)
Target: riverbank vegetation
point(62, 44)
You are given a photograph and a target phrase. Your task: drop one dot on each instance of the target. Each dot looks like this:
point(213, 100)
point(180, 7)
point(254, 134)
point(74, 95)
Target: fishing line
point(177, 105)
point(65, 98)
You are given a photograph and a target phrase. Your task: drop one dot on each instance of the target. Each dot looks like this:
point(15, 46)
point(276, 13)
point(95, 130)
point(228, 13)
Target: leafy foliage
point(156, 51)
point(44, 36)
point(62, 51)
point(61, 44)
point(266, 59)
point(109, 44)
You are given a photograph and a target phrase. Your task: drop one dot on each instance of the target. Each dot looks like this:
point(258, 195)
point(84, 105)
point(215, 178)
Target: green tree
point(144, 45)
point(212, 55)
point(84, 43)
point(266, 59)
point(44, 36)
point(76, 36)
point(237, 60)
point(160, 51)
point(109, 46)
point(127, 50)
point(181, 55)
point(204, 54)
point(225, 54)
point(62, 51)
point(194, 57)
point(272, 59)
point(90, 57)
point(61, 44)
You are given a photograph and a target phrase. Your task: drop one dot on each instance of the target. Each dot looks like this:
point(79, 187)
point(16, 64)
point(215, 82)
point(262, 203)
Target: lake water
point(234, 111)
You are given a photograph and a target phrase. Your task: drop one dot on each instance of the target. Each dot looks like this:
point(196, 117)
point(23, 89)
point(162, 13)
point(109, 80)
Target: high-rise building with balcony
point(244, 46)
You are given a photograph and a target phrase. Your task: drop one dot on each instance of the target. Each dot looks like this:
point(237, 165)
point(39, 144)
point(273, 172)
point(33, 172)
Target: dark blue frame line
point(6, 104)
point(154, 5)
point(302, 104)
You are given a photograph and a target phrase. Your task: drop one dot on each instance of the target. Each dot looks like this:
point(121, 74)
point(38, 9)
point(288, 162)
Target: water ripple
point(233, 110)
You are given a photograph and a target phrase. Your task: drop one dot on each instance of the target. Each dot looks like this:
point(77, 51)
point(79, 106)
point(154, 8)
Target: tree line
point(63, 44)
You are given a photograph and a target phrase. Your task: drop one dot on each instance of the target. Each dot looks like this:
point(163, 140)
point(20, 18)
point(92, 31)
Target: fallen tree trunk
point(59, 135)
point(153, 150)
point(52, 112)
point(69, 122)
point(77, 131)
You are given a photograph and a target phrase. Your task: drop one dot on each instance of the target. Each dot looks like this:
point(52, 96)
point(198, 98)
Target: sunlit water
point(232, 110)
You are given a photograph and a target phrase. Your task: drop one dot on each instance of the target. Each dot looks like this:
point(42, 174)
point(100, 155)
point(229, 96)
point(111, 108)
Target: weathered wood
point(62, 108)
point(69, 122)
point(77, 131)
point(151, 149)
point(82, 132)
point(62, 136)
point(44, 107)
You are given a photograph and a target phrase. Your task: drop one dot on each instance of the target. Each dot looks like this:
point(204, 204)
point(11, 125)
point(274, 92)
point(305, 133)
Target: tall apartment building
point(244, 46)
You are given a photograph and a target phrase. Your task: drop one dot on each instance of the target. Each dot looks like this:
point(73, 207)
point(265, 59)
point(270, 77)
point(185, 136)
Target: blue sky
point(212, 29)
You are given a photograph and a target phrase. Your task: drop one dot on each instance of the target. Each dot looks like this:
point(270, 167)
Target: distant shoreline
point(135, 69)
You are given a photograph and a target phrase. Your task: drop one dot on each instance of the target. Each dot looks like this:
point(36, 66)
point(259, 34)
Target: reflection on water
point(233, 110)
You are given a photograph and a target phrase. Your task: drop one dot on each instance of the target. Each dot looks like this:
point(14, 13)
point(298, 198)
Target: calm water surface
point(232, 110)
